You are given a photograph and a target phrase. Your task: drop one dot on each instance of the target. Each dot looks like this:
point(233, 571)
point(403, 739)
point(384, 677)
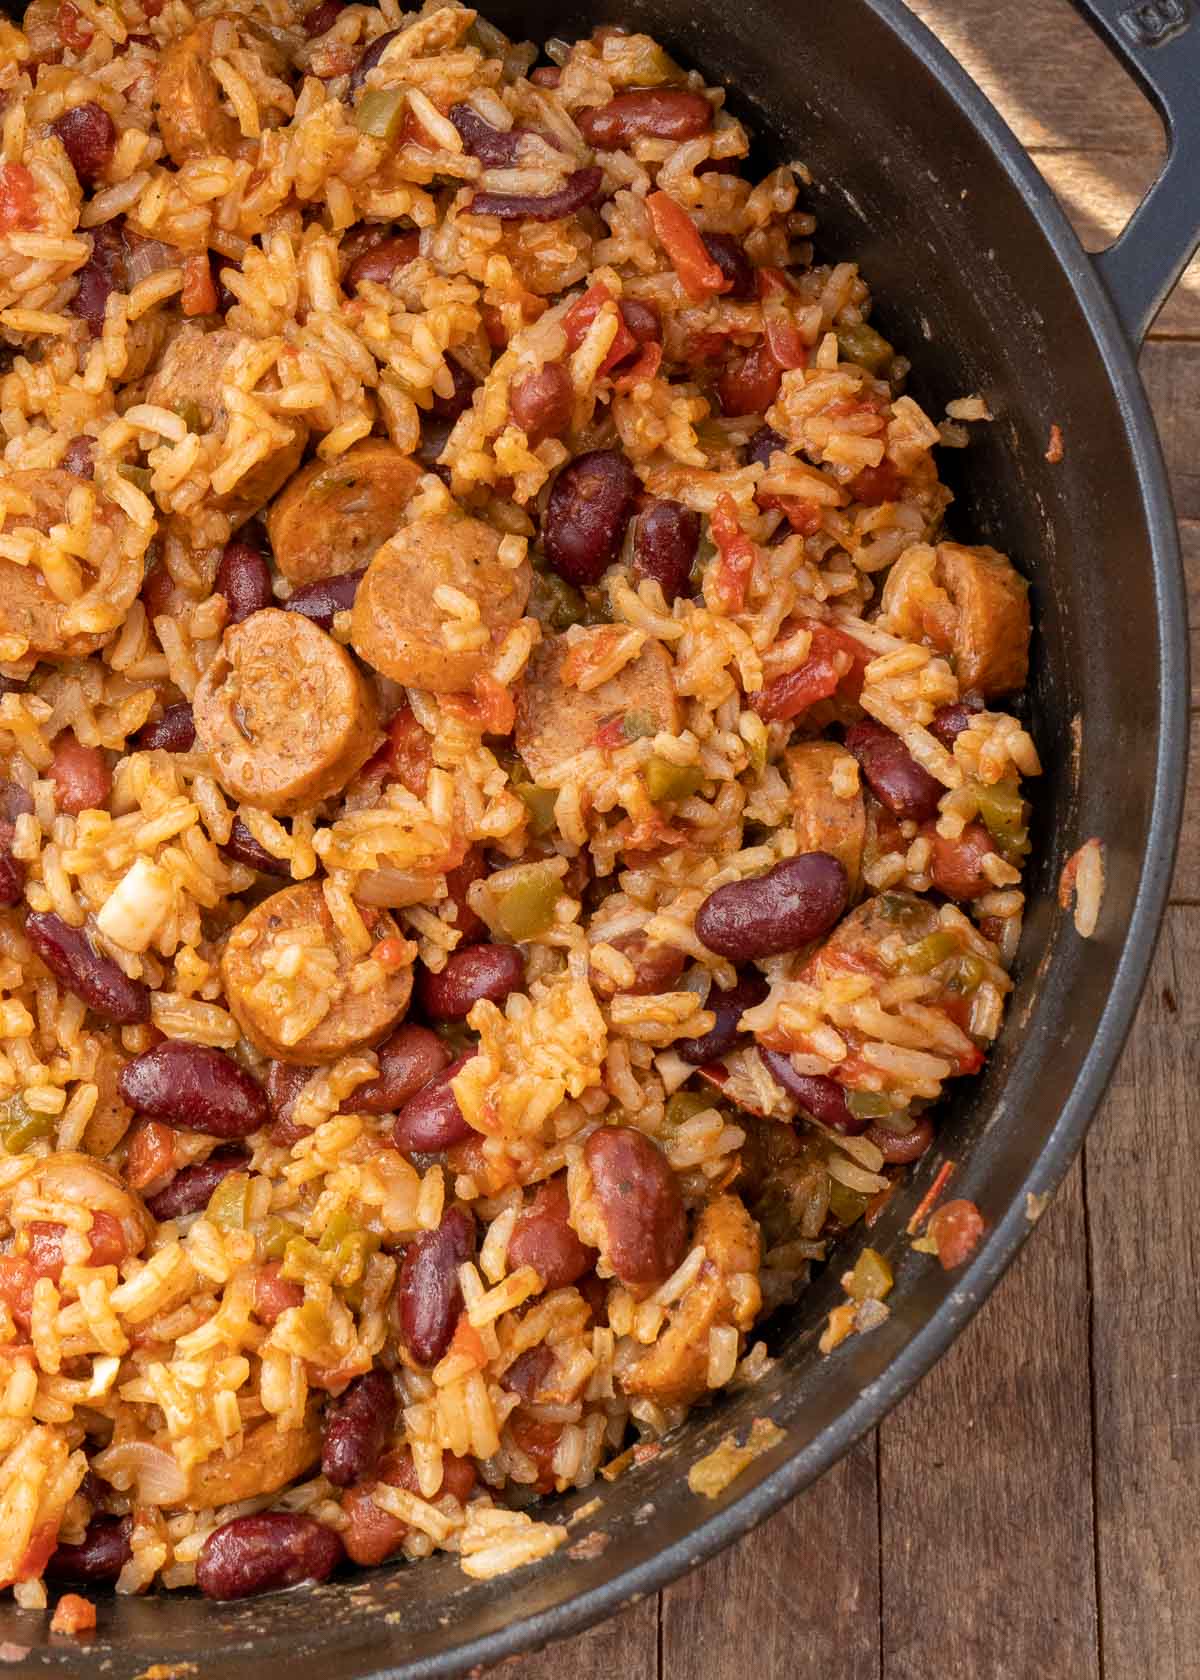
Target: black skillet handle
point(1158, 41)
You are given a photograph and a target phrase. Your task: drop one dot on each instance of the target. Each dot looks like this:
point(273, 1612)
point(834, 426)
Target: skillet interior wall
point(970, 289)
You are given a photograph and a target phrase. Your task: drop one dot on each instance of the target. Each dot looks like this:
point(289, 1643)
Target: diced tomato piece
point(876, 484)
point(646, 366)
point(404, 756)
point(17, 1278)
point(37, 1554)
point(18, 205)
point(468, 1341)
point(783, 339)
point(493, 326)
point(680, 238)
point(737, 554)
point(199, 288)
point(107, 1234)
point(611, 735)
point(73, 32)
point(273, 1293)
point(956, 1228)
point(151, 1153)
point(751, 385)
point(802, 515)
point(489, 706)
point(583, 312)
point(794, 692)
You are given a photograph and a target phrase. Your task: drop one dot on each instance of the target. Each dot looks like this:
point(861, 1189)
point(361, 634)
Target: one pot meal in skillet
point(512, 810)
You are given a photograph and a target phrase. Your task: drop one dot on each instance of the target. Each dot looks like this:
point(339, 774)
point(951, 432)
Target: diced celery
point(527, 908)
point(867, 1105)
point(227, 1204)
point(380, 113)
point(666, 783)
point(845, 1204)
point(927, 953)
point(20, 1125)
point(865, 347)
point(871, 1278)
point(539, 802)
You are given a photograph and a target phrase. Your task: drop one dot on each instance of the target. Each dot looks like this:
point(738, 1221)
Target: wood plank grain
point(1100, 190)
point(985, 1484)
point(798, 1597)
point(1053, 80)
point(1185, 887)
point(626, 1646)
point(1144, 1253)
point(1189, 532)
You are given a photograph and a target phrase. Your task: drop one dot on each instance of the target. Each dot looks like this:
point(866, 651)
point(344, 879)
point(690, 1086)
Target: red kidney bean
point(81, 777)
point(729, 254)
point(243, 577)
point(528, 1371)
point(358, 1427)
point(642, 320)
point(449, 408)
point(481, 971)
point(192, 1187)
point(321, 18)
point(103, 273)
point(12, 870)
point(283, 1084)
point(546, 75)
point(948, 722)
point(639, 1199)
point(244, 848)
point(586, 515)
point(432, 1121)
point(956, 866)
point(899, 1150)
point(662, 113)
point(542, 403)
point(225, 298)
point(495, 147)
point(159, 591)
point(369, 59)
point(264, 1553)
point(274, 1294)
point(323, 599)
point(14, 801)
point(471, 927)
point(89, 138)
point(373, 1533)
point(578, 189)
point(816, 1093)
point(196, 1087)
point(874, 485)
point(544, 1239)
point(77, 457)
point(174, 731)
point(428, 1296)
point(796, 901)
point(69, 955)
point(729, 1007)
point(665, 539)
point(383, 259)
point(656, 968)
point(765, 443)
point(408, 1060)
point(99, 1556)
point(892, 773)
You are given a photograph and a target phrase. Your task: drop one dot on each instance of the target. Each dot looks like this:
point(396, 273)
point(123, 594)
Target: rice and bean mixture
point(508, 824)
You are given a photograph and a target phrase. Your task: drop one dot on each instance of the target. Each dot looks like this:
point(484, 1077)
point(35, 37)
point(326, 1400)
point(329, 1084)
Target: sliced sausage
point(675, 1370)
point(822, 819)
point(284, 712)
point(398, 627)
point(188, 100)
point(270, 1458)
point(263, 1005)
point(991, 635)
point(28, 607)
point(333, 515)
point(193, 370)
point(555, 722)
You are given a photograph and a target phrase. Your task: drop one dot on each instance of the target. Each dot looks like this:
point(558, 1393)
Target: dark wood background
point(1030, 1511)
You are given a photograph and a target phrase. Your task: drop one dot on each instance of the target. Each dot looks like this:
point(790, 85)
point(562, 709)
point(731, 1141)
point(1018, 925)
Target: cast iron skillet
point(981, 280)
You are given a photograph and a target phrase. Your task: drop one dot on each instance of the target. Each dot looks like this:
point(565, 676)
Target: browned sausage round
point(822, 819)
point(555, 722)
point(398, 626)
point(264, 1004)
point(28, 607)
point(193, 370)
point(188, 98)
point(333, 515)
point(284, 713)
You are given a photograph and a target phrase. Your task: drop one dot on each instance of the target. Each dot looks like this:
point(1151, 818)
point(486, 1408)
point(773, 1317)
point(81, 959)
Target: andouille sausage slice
point(333, 515)
point(262, 998)
point(188, 99)
point(555, 722)
point(284, 712)
point(28, 607)
point(825, 821)
point(194, 369)
point(398, 626)
point(991, 632)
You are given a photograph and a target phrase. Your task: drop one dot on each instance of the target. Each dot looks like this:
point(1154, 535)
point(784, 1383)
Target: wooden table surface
point(1029, 1512)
